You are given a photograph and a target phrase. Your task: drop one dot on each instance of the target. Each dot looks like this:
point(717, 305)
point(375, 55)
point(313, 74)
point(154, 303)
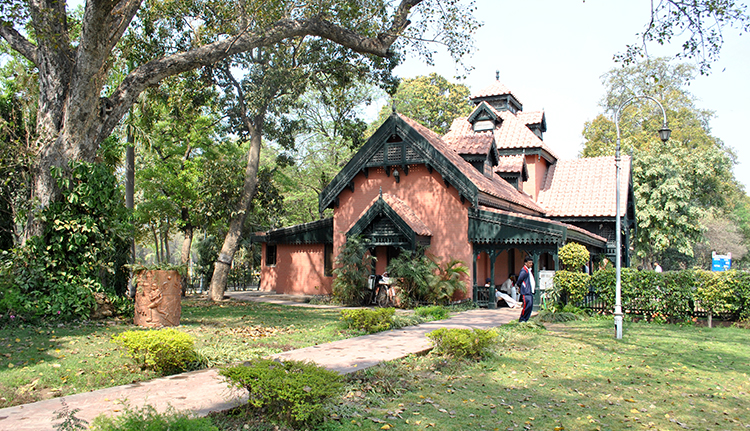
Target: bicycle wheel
point(382, 297)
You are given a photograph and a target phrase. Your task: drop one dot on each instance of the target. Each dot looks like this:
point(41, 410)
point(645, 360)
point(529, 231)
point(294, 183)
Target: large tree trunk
point(232, 240)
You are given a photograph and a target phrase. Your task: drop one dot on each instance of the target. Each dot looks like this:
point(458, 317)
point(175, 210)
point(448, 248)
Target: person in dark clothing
point(526, 287)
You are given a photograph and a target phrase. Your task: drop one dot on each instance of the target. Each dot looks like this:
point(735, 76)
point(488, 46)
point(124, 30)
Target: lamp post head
point(664, 133)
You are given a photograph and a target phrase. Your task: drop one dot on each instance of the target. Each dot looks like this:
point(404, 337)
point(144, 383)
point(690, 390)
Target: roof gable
point(401, 141)
point(389, 221)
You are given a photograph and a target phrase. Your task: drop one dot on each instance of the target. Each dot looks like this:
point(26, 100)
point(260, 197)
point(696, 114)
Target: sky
point(552, 53)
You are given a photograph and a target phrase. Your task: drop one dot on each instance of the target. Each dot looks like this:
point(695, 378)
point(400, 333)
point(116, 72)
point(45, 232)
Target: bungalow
point(488, 192)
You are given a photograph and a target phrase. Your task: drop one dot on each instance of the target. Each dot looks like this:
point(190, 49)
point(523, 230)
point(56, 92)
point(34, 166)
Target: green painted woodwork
point(396, 144)
point(382, 226)
point(317, 232)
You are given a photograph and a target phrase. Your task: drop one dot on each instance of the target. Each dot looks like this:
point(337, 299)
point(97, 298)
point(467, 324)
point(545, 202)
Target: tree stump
point(157, 299)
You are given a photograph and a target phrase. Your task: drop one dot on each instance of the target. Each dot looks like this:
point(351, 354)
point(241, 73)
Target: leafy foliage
point(677, 183)
point(148, 418)
point(83, 250)
point(433, 312)
point(463, 343)
point(571, 286)
point(698, 25)
point(296, 393)
point(164, 350)
point(573, 256)
point(368, 320)
point(431, 100)
point(353, 267)
point(420, 279)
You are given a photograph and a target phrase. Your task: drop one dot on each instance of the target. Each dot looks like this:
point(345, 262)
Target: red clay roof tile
point(584, 188)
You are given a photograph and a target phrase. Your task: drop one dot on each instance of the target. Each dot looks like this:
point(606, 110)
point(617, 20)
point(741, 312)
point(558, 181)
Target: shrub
point(415, 275)
point(463, 343)
point(353, 267)
point(573, 256)
point(296, 393)
point(368, 320)
point(147, 418)
point(573, 286)
point(434, 312)
point(163, 350)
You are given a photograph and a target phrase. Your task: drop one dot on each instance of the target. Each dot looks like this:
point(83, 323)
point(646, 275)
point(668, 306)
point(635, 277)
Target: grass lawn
point(40, 362)
point(572, 376)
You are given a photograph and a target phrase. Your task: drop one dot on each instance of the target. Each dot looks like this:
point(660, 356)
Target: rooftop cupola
point(498, 96)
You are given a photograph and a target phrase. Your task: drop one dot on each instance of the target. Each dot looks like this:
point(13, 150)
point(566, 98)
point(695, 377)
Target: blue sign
point(721, 262)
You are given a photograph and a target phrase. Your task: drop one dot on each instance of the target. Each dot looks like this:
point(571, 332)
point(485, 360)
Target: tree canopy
point(677, 183)
point(431, 100)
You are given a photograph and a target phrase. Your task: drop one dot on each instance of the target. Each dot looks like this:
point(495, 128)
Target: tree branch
point(156, 70)
point(19, 43)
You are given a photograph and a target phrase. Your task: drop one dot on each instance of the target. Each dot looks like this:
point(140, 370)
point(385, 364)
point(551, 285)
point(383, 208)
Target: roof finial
point(497, 75)
point(381, 192)
point(393, 106)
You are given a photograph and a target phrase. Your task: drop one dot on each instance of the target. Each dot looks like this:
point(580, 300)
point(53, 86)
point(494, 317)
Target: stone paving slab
point(204, 391)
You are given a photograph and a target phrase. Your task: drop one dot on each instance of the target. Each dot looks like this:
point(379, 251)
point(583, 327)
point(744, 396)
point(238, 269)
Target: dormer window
point(484, 125)
point(484, 119)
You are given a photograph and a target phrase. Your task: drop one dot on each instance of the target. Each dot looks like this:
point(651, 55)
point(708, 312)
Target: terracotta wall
point(438, 206)
point(299, 270)
point(537, 167)
point(502, 266)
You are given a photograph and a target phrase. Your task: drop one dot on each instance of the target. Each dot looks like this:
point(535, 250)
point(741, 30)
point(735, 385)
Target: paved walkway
point(205, 391)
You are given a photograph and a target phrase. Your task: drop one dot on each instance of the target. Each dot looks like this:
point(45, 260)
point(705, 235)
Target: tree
point(698, 25)
point(722, 235)
point(74, 117)
point(333, 132)
point(431, 100)
point(675, 183)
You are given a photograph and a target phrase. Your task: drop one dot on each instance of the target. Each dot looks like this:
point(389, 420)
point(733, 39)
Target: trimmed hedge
point(673, 296)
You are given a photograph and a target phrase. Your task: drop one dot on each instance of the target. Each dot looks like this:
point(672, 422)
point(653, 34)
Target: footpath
point(204, 391)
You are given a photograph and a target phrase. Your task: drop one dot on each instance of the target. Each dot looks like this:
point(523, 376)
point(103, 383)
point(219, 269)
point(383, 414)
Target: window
point(270, 255)
point(328, 258)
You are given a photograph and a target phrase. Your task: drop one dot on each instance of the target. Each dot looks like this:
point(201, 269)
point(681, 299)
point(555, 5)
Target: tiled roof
point(496, 187)
point(584, 188)
point(527, 118)
point(545, 220)
point(510, 164)
point(464, 140)
point(407, 215)
point(513, 134)
point(495, 89)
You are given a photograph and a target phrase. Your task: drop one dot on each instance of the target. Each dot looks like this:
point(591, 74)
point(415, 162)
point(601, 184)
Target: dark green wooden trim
point(380, 207)
point(317, 232)
point(430, 156)
point(490, 227)
point(538, 151)
point(483, 111)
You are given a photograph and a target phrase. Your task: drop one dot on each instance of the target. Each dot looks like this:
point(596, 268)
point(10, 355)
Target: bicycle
point(385, 294)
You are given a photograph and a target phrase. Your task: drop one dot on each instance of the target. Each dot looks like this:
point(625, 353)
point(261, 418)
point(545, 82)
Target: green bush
point(82, 249)
point(368, 320)
point(353, 267)
point(571, 286)
point(433, 312)
point(293, 392)
point(463, 343)
point(147, 418)
point(163, 350)
point(573, 256)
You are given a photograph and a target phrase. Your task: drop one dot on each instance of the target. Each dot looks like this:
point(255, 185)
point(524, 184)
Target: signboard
point(721, 262)
point(545, 279)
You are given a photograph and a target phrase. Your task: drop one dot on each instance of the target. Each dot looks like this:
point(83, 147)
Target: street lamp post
point(664, 133)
